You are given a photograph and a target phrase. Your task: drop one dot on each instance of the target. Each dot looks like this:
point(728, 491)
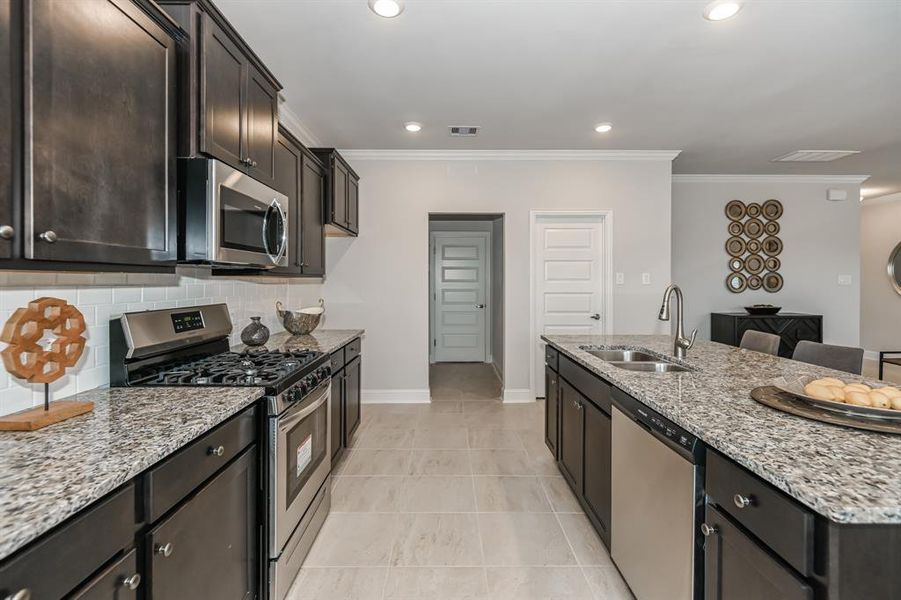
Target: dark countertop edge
point(835, 515)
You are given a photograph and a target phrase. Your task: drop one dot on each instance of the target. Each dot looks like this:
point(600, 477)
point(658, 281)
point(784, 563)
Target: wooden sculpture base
point(36, 418)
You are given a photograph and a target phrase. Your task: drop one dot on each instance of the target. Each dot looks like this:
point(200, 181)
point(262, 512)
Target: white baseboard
point(871, 355)
point(395, 396)
point(520, 395)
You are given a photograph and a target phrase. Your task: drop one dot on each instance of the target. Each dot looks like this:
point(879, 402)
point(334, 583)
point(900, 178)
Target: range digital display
point(187, 321)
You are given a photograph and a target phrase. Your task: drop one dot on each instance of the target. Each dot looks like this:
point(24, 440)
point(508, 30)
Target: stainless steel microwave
point(229, 218)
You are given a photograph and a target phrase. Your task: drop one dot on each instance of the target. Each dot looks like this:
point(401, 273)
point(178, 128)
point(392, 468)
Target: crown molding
point(836, 179)
point(510, 155)
point(289, 119)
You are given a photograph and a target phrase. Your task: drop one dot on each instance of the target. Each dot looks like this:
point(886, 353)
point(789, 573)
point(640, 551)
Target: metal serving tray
point(823, 411)
point(795, 387)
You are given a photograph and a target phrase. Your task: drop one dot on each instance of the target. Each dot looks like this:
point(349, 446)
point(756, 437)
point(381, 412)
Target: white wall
point(821, 241)
point(380, 280)
point(103, 296)
point(880, 305)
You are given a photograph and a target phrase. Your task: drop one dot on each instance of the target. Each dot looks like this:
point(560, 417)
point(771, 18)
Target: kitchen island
point(837, 490)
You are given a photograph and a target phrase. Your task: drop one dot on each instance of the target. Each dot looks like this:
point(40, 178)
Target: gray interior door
point(459, 296)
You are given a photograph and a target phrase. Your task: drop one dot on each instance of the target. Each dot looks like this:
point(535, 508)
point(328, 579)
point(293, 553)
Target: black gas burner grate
point(233, 369)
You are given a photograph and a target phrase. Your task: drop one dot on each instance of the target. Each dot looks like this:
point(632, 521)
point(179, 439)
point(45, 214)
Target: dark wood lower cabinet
point(551, 409)
point(596, 466)
point(572, 427)
point(346, 409)
point(337, 427)
point(119, 581)
point(351, 399)
point(209, 547)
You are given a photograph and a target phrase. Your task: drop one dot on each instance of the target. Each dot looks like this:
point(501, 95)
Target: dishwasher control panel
point(687, 444)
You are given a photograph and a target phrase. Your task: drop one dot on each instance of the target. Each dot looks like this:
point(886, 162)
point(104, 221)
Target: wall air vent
point(463, 130)
point(814, 155)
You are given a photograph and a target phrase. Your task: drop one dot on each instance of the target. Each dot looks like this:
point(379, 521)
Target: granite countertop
point(323, 340)
point(847, 475)
point(49, 475)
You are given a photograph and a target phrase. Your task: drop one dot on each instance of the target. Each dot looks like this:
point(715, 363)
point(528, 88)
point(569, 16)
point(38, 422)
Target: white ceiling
point(781, 76)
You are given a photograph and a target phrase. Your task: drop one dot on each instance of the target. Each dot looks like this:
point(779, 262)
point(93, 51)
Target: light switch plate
point(844, 280)
point(645, 279)
point(620, 278)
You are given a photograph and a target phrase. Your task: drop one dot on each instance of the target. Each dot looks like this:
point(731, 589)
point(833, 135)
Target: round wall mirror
point(894, 268)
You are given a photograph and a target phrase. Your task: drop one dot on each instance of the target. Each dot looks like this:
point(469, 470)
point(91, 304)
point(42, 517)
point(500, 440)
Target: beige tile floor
point(456, 499)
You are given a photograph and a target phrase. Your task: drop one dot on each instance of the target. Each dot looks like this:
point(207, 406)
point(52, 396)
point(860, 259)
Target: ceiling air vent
point(463, 130)
point(814, 155)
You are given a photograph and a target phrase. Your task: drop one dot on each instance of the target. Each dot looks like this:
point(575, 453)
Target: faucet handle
point(691, 340)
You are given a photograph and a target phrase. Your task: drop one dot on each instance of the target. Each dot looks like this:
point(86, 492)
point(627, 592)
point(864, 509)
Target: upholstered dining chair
point(841, 358)
point(758, 341)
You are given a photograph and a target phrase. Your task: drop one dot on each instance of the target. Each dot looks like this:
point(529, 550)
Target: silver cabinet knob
point(132, 582)
point(708, 530)
point(165, 549)
point(23, 594)
point(217, 451)
point(253, 163)
point(49, 236)
point(595, 316)
point(7, 232)
point(480, 306)
point(741, 501)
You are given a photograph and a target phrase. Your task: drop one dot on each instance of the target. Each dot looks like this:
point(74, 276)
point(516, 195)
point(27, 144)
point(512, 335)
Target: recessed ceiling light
point(386, 8)
point(603, 127)
point(413, 126)
point(720, 10)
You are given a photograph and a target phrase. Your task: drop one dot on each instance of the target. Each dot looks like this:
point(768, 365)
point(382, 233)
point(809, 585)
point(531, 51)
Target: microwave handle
point(283, 247)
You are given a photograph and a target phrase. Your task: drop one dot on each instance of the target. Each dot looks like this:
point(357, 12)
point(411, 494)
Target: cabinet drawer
point(780, 522)
point(167, 483)
point(550, 357)
point(73, 551)
point(117, 582)
point(337, 360)
point(589, 385)
point(352, 350)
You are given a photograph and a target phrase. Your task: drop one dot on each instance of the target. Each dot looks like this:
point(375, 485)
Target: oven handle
point(290, 419)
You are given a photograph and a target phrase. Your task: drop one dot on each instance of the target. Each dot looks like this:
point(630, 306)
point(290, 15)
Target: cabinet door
point(120, 581)
point(223, 72)
point(287, 180)
point(103, 140)
point(736, 567)
point(262, 127)
point(339, 194)
point(353, 203)
point(571, 443)
point(208, 548)
point(7, 227)
point(551, 409)
point(597, 468)
point(351, 399)
point(335, 408)
point(311, 217)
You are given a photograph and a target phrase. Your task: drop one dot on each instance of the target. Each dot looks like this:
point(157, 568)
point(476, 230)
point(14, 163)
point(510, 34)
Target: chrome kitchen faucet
point(681, 344)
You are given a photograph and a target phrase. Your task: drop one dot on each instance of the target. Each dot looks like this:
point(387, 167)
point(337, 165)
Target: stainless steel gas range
point(189, 347)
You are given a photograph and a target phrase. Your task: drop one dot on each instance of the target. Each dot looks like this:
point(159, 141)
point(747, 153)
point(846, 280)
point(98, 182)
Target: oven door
point(301, 463)
point(249, 221)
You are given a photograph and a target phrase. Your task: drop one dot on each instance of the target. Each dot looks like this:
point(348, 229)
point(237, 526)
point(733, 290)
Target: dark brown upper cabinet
point(7, 226)
point(342, 192)
point(312, 222)
point(100, 128)
point(228, 100)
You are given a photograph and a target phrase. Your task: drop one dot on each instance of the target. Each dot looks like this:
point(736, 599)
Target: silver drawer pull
point(165, 550)
point(217, 451)
point(23, 594)
point(708, 530)
point(132, 582)
point(7, 232)
point(49, 236)
point(741, 501)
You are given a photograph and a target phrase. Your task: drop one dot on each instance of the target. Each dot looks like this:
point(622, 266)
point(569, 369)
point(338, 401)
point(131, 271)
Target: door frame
point(606, 219)
point(433, 236)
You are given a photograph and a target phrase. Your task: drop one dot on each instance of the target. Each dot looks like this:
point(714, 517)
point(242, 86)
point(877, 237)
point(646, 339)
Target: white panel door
point(459, 297)
point(569, 281)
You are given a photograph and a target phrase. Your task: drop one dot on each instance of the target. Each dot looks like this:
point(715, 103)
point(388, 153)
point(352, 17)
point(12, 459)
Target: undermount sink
point(651, 367)
point(624, 355)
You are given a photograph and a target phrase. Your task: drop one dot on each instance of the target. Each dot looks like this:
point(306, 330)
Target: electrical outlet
point(844, 280)
point(645, 279)
point(620, 278)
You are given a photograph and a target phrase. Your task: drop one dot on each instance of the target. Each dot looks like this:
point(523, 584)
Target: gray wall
point(880, 306)
point(821, 241)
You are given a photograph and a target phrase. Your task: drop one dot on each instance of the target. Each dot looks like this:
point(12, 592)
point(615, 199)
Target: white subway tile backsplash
point(127, 294)
point(95, 295)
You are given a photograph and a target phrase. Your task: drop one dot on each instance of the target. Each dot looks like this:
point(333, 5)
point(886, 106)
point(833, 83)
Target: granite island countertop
point(323, 340)
point(846, 475)
point(46, 476)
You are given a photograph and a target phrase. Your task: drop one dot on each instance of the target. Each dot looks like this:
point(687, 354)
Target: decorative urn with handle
point(303, 321)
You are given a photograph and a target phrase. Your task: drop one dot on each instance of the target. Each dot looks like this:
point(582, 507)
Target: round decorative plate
point(754, 264)
point(736, 264)
point(771, 228)
point(772, 264)
point(772, 282)
point(735, 246)
point(736, 210)
point(736, 282)
point(772, 246)
point(753, 228)
point(754, 210)
point(754, 246)
point(772, 209)
point(754, 282)
point(735, 228)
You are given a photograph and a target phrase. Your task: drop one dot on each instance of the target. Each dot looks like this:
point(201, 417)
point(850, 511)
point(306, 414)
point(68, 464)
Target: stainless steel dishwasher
point(657, 503)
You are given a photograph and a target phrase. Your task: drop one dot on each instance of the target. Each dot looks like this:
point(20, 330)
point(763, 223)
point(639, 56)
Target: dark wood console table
point(885, 359)
point(727, 328)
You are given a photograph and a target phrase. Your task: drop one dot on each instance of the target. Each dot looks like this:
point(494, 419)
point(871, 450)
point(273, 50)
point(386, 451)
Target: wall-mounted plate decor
point(735, 246)
point(735, 228)
point(771, 228)
point(736, 210)
point(754, 246)
point(753, 228)
point(772, 246)
point(736, 264)
point(772, 282)
point(754, 210)
point(754, 264)
point(754, 282)
point(736, 282)
point(772, 264)
point(772, 209)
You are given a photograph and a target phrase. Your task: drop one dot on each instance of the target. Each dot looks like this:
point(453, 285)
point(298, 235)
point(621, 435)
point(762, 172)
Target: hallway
point(464, 381)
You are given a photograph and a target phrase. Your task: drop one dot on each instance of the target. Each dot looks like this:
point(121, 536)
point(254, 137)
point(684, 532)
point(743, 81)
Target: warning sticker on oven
point(304, 454)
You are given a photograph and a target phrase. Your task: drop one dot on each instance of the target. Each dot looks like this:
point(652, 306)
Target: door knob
point(596, 317)
point(480, 306)
point(6, 232)
point(49, 236)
